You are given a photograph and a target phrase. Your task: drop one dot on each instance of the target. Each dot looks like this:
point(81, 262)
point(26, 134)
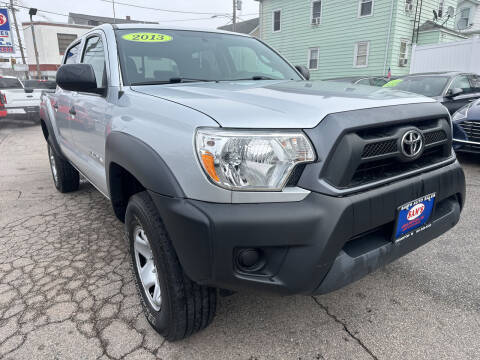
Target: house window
point(64, 40)
point(365, 8)
point(441, 6)
point(277, 17)
point(463, 22)
point(403, 57)
point(361, 54)
point(313, 56)
point(408, 6)
point(316, 12)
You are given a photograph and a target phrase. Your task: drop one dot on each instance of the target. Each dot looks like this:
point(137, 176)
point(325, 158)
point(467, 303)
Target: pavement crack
point(345, 328)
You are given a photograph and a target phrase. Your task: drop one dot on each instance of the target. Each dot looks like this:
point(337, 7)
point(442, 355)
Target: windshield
point(156, 56)
point(40, 84)
point(424, 85)
point(8, 83)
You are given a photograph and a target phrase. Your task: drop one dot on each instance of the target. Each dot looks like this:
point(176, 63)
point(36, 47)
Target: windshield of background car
point(423, 85)
point(6, 83)
point(148, 55)
point(36, 84)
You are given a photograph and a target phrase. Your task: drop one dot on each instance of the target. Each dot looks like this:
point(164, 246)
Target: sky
point(208, 14)
point(105, 8)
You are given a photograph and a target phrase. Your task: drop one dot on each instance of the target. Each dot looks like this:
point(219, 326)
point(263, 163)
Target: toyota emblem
point(412, 144)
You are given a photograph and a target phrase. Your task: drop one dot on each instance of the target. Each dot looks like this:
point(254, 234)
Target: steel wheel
point(146, 268)
point(53, 165)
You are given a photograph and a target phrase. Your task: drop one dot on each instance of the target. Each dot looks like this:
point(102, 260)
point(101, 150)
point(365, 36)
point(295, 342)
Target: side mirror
point(454, 92)
point(28, 91)
point(77, 77)
point(304, 71)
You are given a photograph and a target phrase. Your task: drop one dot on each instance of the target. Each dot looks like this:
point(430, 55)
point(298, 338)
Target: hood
point(277, 104)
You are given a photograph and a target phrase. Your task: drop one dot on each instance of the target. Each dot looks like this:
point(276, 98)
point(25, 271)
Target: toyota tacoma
point(231, 170)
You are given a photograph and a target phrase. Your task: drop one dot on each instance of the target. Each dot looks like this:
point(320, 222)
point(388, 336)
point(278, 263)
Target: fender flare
point(51, 139)
point(144, 163)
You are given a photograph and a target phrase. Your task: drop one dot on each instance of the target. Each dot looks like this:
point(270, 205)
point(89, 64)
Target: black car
point(466, 128)
point(363, 80)
point(452, 89)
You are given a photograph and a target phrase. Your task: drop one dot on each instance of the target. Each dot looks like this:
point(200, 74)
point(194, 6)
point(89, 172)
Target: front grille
point(378, 170)
point(295, 175)
point(472, 130)
point(435, 136)
point(379, 148)
point(373, 154)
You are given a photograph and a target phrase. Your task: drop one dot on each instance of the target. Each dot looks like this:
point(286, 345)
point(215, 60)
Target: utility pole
point(113, 6)
point(234, 19)
point(32, 12)
point(13, 10)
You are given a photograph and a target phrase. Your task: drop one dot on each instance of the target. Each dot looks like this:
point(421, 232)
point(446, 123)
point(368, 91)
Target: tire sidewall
point(136, 216)
point(51, 152)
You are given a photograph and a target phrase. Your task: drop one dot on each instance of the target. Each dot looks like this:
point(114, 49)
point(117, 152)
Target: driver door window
point(247, 62)
point(462, 82)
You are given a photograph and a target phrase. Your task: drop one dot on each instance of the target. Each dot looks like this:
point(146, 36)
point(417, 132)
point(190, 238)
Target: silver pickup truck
point(231, 170)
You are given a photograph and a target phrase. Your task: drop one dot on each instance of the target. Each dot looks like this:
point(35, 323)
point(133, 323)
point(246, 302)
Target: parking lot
point(67, 291)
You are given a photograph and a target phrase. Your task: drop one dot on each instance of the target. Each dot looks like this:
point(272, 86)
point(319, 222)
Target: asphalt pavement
point(67, 291)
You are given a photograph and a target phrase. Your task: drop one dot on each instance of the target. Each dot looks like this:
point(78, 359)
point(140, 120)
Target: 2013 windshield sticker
point(147, 37)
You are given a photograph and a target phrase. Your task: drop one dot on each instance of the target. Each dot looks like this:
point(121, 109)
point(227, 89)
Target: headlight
point(462, 113)
point(251, 160)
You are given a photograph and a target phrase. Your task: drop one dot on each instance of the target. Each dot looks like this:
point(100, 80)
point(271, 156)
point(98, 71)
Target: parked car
point(363, 80)
point(466, 128)
point(452, 89)
point(20, 102)
point(231, 171)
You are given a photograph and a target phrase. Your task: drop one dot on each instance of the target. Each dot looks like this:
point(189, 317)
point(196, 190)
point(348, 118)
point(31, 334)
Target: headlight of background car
point(251, 160)
point(462, 113)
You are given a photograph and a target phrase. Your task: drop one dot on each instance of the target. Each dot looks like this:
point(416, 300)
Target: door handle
point(72, 111)
point(55, 107)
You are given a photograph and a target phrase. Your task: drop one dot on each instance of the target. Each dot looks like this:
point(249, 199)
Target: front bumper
point(313, 246)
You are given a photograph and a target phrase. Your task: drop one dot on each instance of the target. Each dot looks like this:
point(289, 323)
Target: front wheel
point(174, 305)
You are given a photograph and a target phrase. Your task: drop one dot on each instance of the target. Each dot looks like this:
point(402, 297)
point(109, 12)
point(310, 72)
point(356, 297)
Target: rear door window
point(8, 83)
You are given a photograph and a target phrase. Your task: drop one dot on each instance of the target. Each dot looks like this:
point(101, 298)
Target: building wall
point(47, 42)
point(429, 37)
point(340, 30)
point(474, 14)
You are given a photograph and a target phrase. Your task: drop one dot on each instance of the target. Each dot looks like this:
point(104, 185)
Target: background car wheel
point(65, 177)
point(174, 305)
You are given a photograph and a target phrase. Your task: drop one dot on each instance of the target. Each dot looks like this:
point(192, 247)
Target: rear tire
point(179, 307)
point(65, 177)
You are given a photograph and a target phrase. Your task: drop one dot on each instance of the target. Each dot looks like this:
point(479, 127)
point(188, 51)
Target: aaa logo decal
point(147, 37)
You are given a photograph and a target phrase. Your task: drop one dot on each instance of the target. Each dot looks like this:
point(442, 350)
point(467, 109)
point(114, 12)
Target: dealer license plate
point(413, 216)
point(15, 111)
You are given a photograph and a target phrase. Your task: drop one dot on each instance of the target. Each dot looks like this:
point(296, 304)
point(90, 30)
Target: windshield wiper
point(174, 80)
point(256, 78)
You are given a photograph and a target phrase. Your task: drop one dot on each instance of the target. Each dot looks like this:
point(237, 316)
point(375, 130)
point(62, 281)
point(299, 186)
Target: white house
point(52, 41)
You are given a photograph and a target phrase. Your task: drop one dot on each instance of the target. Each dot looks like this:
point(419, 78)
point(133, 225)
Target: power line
point(164, 10)
point(83, 18)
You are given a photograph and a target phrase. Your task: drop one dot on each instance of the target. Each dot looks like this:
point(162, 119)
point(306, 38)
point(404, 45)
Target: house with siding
point(335, 38)
point(468, 16)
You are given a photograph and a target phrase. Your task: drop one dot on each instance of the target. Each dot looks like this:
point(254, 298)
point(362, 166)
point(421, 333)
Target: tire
point(183, 307)
point(65, 177)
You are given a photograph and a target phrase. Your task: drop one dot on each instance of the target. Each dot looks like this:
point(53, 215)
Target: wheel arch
point(132, 166)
